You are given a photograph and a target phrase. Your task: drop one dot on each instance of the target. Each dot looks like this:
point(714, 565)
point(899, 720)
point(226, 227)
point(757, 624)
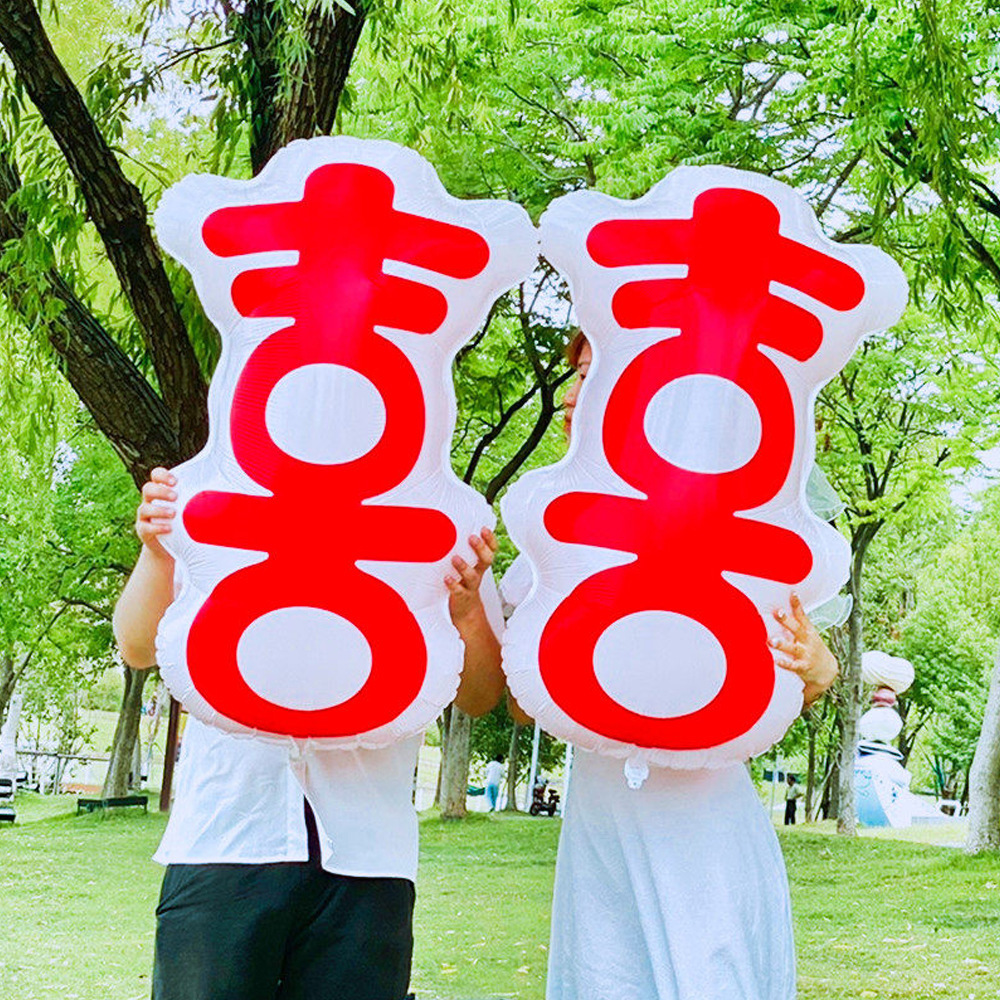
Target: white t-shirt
point(239, 801)
point(673, 891)
point(494, 772)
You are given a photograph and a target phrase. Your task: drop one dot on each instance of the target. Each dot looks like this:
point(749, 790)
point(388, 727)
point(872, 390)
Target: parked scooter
point(542, 803)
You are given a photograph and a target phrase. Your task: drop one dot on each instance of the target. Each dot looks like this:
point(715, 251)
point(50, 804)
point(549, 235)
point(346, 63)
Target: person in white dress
point(676, 890)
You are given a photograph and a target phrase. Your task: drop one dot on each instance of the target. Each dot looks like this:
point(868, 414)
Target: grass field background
point(875, 918)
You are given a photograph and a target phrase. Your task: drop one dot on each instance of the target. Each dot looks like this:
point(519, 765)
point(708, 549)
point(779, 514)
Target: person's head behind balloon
point(579, 355)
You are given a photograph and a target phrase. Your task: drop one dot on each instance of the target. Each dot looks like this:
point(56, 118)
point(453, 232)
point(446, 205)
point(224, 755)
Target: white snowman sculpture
point(882, 784)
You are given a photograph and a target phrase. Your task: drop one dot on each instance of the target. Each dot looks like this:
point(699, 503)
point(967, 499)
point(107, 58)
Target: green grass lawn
point(875, 918)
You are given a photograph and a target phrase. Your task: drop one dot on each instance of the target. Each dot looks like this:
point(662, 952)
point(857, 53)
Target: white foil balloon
point(315, 528)
point(880, 723)
point(883, 670)
point(677, 521)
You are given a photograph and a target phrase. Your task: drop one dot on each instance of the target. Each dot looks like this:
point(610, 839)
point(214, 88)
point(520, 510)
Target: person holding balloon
point(266, 895)
point(311, 668)
point(675, 890)
point(654, 556)
point(723, 312)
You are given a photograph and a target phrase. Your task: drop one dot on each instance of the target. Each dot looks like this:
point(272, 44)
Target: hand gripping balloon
point(315, 527)
point(715, 309)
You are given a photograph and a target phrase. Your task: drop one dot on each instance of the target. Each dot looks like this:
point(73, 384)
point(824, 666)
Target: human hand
point(804, 652)
point(463, 590)
point(155, 513)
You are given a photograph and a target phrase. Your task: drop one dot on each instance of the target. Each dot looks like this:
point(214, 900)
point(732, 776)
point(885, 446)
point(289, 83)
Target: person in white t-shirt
point(676, 890)
point(290, 872)
point(494, 775)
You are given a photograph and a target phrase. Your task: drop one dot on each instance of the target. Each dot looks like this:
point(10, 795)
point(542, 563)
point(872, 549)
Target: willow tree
point(87, 149)
point(76, 183)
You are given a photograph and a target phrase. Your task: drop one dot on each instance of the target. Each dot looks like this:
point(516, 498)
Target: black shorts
point(285, 931)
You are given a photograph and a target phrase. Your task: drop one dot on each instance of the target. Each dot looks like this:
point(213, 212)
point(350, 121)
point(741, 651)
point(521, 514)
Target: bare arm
point(482, 681)
point(150, 588)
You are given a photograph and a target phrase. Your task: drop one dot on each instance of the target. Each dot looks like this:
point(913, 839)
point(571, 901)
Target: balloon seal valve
point(636, 770)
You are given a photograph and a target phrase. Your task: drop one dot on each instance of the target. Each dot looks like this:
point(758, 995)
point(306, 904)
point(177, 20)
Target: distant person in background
point(791, 800)
point(494, 775)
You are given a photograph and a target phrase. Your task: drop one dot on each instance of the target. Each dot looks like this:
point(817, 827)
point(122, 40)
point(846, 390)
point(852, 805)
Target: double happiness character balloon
point(314, 530)
point(677, 521)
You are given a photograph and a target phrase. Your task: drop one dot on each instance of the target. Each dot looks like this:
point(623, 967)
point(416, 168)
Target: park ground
point(875, 917)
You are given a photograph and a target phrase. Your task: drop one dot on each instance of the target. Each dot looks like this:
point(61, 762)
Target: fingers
point(484, 545)
point(798, 667)
point(161, 475)
point(797, 623)
point(796, 650)
point(469, 576)
point(153, 519)
point(793, 656)
point(158, 491)
point(799, 611)
point(788, 623)
point(155, 513)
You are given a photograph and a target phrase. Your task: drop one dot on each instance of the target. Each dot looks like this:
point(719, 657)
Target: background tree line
point(884, 116)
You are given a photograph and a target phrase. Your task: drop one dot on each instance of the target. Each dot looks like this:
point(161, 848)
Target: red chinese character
point(316, 525)
point(687, 532)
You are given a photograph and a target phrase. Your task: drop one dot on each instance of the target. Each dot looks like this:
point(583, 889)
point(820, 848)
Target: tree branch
point(495, 431)
point(310, 105)
point(839, 183)
point(117, 209)
point(78, 602)
point(531, 442)
point(123, 404)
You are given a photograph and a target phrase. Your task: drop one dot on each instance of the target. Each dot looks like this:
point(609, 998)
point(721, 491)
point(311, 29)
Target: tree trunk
point(812, 725)
point(260, 28)
point(318, 80)
point(984, 777)
point(443, 722)
point(512, 759)
point(455, 766)
point(8, 737)
point(8, 681)
point(136, 770)
point(908, 712)
point(170, 756)
point(849, 690)
point(116, 783)
point(125, 407)
point(831, 801)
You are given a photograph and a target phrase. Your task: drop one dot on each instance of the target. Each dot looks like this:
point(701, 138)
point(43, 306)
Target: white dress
point(673, 891)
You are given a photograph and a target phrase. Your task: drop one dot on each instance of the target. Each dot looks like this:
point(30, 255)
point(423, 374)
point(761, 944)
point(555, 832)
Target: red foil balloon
point(343, 280)
point(677, 521)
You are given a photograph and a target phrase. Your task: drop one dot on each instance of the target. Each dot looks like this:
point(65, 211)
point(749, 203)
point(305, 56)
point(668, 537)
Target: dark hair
point(499, 758)
point(575, 347)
